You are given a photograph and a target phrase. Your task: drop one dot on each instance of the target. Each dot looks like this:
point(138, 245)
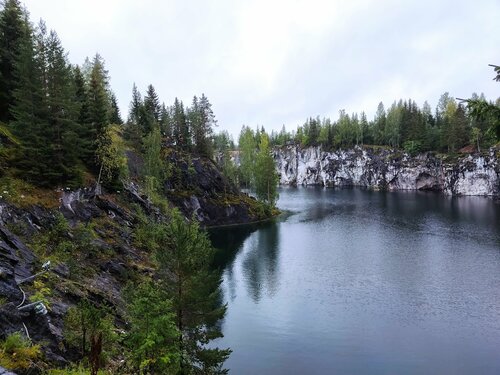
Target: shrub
point(17, 353)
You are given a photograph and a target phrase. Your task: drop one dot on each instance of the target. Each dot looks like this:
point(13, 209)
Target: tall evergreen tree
point(98, 103)
point(114, 116)
point(166, 123)
point(86, 135)
point(62, 132)
point(185, 265)
point(180, 126)
point(152, 105)
point(133, 130)
point(29, 110)
point(13, 32)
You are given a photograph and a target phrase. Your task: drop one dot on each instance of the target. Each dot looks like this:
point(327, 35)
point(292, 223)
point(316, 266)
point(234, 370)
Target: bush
point(17, 353)
point(412, 147)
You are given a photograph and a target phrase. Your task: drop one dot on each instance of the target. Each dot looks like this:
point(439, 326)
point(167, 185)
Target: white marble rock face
point(386, 169)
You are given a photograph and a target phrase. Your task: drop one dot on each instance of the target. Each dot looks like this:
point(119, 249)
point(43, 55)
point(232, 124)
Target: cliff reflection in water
point(364, 282)
point(259, 244)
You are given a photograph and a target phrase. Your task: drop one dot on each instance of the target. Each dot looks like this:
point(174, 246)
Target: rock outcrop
point(378, 168)
point(199, 189)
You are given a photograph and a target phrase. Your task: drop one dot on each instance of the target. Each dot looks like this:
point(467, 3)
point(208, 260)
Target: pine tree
point(185, 266)
point(13, 32)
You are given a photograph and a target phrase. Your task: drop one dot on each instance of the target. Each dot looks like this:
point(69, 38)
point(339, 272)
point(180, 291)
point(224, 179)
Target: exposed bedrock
point(384, 169)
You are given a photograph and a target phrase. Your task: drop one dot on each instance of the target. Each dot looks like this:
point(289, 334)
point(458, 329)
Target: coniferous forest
point(62, 135)
point(452, 125)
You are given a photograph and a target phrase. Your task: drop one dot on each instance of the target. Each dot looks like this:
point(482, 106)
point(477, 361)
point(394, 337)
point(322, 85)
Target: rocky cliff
point(97, 242)
point(378, 168)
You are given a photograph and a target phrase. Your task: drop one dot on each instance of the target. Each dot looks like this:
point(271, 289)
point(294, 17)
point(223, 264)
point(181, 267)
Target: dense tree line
point(257, 169)
point(64, 116)
point(453, 125)
point(187, 128)
point(60, 122)
point(60, 113)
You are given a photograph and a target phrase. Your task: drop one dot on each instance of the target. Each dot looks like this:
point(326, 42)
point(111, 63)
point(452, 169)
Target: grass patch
point(17, 353)
point(22, 194)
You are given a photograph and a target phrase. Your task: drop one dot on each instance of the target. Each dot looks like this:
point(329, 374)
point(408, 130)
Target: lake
point(361, 282)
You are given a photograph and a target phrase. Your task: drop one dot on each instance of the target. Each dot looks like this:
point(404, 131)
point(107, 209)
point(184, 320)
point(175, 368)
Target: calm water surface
point(359, 282)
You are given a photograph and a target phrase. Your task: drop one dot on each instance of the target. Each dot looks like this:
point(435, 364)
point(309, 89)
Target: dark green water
point(359, 282)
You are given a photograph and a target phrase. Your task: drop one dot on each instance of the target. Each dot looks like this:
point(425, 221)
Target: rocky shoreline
point(384, 169)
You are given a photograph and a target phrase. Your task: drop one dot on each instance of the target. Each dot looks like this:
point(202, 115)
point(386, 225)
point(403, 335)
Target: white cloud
point(273, 62)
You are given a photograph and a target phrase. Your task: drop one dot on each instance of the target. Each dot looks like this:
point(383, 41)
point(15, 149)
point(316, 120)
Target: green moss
point(21, 194)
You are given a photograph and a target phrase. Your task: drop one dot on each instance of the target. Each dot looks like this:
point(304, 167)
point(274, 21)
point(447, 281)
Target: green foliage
point(247, 147)
point(155, 166)
point(17, 353)
point(202, 120)
point(63, 243)
point(44, 112)
point(12, 33)
point(480, 109)
point(149, 235)
point(405, 125)
point(266, 177)
point(22, 194)
point(180, 126)
point(84, 323)
point(185, 268)
point(75, 370)
point(153, 336)
point(111, 156)
point(412, 147)
point(41, 293)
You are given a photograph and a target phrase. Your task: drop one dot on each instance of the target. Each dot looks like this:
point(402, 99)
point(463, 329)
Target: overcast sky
point(266, 62)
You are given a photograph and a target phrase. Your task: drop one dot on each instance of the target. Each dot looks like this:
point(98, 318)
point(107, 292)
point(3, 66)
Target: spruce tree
point(204, 132)
point(114, 116)
point(29, 111)
point(153, 107)
point(13, 25)
point(185, 264)
point(133, 130)
point(86, 135)
point(180, 126)
point(62, 132)
point(98, 104)
point(166, 123)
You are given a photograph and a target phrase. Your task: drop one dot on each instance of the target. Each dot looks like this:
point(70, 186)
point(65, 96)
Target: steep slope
point(97, 244)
